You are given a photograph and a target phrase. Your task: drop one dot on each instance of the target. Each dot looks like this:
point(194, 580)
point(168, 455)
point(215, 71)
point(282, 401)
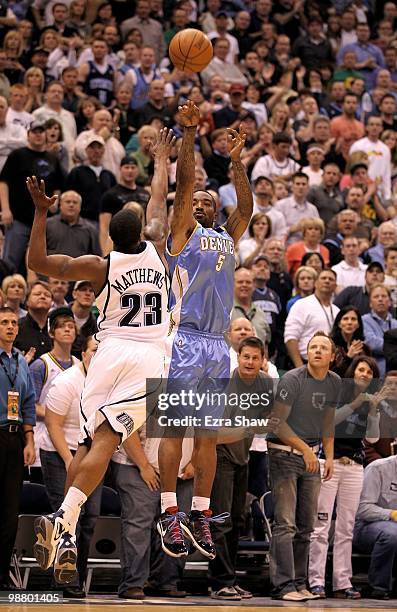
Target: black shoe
point(133, 593)
point(48, 530)
point(377, 594)
point(198, 530)
point(170, 527)
point(173, 592)
point(74, 593)
point(350, 593)
point(66, 559)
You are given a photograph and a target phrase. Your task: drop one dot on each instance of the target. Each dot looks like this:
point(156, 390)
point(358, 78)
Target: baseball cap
point(375, 264)
point(236, 87)
point(37, 125)
point(94, 138)
point(62, 311)
point(40, 50)
point(81, 283)
point(128, 159)
point(261, 258)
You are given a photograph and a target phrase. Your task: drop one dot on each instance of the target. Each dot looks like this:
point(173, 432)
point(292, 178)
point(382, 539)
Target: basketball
point(190, 50)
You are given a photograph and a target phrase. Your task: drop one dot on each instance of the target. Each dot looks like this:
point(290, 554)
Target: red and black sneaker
point(198, 530)
point(170, 527)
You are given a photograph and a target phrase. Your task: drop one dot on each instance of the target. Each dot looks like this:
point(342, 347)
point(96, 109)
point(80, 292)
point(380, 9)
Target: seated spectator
point(315, 156)
point(375, 531)
point(278, 163)
point(295, 208)
point(220, 65)
point(310, 314)
point(33, 328)
point(304, 281)
point(239, 329)
point(357, 418)
point(313, 260)
point(359, 296)
point(244, 306)
point(312, 233)
point(126, 190)
point(91, 180)
point(348, 335)
point(86, 110)
point(54, 134)
point(350, 271)
point(263, 203)
point(391, 270)
point(58, 446)
point(387, 236)
point(103, 126)
point(259, 228)
point(386, 445)
point(377, 322)
point(15, 289)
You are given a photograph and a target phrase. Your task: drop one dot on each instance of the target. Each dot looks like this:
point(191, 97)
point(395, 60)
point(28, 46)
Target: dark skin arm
point(183, 222)
point(156, 212)
point(241, 216)
point(87, 267)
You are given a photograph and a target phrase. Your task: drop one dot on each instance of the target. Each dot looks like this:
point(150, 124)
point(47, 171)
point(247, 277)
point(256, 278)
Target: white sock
point(168, 500)
point(200, 503)
point(71, 506)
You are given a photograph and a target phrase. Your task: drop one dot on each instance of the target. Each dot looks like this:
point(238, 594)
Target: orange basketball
point(190, 50)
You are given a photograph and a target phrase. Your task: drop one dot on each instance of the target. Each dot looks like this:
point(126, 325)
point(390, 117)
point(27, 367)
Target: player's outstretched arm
point(156, 212)
point(88, 267)
point(241, 216)
point(183, 222)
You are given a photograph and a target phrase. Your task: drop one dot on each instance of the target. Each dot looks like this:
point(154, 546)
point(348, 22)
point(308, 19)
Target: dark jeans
point(15, 243)
point(258, 473)
point(11, 478)
point(54, 475)
point(295, 493)
point(142, 558)
point(228, 495)
point(380, 540)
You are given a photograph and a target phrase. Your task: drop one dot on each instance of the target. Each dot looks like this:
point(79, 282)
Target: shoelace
point(205, 520)
point(172, 524)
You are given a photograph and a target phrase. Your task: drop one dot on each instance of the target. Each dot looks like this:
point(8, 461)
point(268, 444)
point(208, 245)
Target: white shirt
point(306, 317)
point(259, 110)
point(294, 212)
point(269, 167)
point(11, 137)
point(234, 49)
point(63, 398)
point(315, 176)
point(114, 151)
point(379, 162)
point(65, 118)
point(279, 225)
point(21, 118)
point(349, 276)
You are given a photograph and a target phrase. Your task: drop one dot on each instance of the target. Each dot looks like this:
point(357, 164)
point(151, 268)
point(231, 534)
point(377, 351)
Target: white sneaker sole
point(190, 535)
point(164, 546)
point(65, 564)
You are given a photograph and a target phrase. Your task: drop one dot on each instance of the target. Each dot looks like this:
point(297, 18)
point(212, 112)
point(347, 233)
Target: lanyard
point(12, 380)
point(379, 324)
point(330, 323)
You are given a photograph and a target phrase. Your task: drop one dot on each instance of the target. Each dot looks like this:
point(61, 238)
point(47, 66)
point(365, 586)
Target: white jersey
point(133, 304)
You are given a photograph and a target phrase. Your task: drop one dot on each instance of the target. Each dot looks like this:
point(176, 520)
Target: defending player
point(131, 285)
point(202, 263)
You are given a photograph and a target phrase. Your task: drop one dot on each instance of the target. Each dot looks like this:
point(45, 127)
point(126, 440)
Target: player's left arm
point(156, 211)
point(241, 216)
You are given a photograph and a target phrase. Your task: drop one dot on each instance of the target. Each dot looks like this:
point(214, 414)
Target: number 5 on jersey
point(219, 263)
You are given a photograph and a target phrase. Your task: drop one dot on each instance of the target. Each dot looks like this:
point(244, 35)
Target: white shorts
point(115, 388)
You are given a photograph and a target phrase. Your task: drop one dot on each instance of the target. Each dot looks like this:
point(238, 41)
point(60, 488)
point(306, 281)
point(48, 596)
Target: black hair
point(125, 230)
point(282, 137)
point(307, 256)
point(336, 333)
point(85, 342)
point(253, 342)
point(209, 194)
point(370, 361)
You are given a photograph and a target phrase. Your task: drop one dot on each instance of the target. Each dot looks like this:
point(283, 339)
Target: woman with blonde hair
point(13, 45)
point(77, 17)
point(280, 118)
point(304, 281)
point(259, 229)
point(313, 231)
point(15, 288)
point(49, 40)
point(34, 81)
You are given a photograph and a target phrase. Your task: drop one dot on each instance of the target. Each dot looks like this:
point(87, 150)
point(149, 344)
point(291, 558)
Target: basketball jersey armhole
point(106, 276)
point(184, 246)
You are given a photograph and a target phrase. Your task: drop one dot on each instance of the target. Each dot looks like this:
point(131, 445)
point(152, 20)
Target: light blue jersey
point(201, 296)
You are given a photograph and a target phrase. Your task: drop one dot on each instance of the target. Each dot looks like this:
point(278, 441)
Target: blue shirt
point(201, 296)
point(374, 329)
point(23, 384)
point(364, 52)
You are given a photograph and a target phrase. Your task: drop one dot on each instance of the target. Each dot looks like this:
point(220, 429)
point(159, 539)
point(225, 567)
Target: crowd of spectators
point(85, 86)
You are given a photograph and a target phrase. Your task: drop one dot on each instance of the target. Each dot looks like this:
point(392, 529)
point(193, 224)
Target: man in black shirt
point(30, 160)
point(115, 198)
point(305, 404)
point(33, 329)
point(155, 107)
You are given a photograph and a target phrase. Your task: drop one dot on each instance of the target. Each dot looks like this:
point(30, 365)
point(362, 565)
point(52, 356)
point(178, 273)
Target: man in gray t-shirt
point(305, 404)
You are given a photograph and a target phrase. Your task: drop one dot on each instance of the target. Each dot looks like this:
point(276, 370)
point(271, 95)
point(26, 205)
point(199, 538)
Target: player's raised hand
point(189, 114)
point(39, 197)
point(164, 143)
point(236, 143)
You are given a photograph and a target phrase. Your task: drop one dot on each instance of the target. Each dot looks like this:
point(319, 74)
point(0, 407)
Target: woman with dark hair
point(348, 336)
point(260, 228)
point(356, 419)
point(314, 260)
point(55, 142)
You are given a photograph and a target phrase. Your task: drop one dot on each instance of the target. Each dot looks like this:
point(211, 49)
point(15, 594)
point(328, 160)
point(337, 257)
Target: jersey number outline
point(219, 263)
point(134, 303)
